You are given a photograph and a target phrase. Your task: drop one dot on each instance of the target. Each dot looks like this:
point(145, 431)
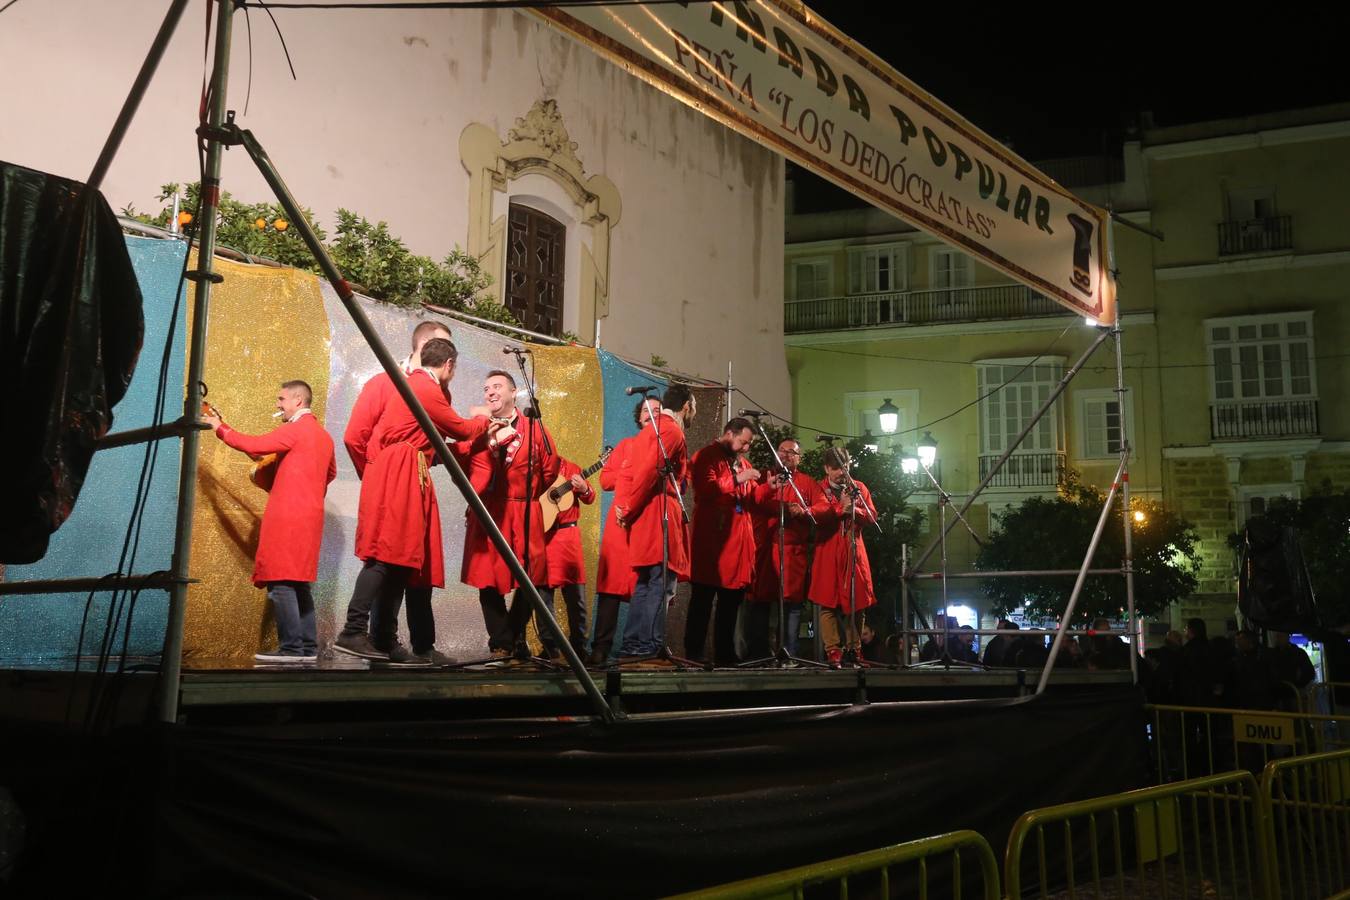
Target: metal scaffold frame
point(1120, 483)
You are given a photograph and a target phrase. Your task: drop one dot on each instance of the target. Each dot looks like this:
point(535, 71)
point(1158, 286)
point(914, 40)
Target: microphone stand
point(664, 652)
point(945, 660)
point(854, 494)
point(781, 657)
point(535, 417)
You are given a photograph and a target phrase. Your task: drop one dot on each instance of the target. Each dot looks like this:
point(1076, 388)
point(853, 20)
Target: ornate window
point(534, 269)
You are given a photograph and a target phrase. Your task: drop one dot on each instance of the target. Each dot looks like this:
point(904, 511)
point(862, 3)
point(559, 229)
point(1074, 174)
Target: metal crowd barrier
point(1307, 799)
point(1203, 837)
point(1190, 741)
point(1320, 696)
point(871, 874)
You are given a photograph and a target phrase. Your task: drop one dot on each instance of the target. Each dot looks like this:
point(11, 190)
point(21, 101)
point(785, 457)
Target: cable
point(8, 5)
point(281, 37)
point(958, 410)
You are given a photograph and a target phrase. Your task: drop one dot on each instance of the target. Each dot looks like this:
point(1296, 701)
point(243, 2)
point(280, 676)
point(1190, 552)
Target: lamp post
point(889, 415)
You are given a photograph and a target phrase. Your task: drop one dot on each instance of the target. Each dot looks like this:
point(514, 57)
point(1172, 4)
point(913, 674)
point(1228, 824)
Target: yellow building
point(1229, 399)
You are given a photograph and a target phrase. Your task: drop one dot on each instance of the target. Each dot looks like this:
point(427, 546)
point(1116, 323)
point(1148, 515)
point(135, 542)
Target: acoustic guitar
point(264, 470)
point(560, 497)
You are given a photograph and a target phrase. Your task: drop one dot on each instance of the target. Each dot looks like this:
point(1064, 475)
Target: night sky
point(1068, 81)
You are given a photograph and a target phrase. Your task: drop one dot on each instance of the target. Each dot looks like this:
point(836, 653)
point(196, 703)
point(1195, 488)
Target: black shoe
point(359, 645)
point(401, 657)
point(437, 659)
point(598, 658)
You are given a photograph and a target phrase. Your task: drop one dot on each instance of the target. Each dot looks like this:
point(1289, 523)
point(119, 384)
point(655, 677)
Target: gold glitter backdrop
point(569, 384)
point(267, 326)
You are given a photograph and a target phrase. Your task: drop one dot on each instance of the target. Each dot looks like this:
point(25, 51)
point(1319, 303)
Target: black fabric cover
point(71, 327)
point(561, 808)
point(1274, 590)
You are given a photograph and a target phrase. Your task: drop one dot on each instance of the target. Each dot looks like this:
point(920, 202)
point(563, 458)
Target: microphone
point(516, 350)
point(826, 438)
point(752, 413)
point(640, 389)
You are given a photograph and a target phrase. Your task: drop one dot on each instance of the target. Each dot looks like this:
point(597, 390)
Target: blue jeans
point(293, 609)
point(645, 632)
point(794, 625)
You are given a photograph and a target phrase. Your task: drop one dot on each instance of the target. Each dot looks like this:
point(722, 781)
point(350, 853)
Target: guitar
point(264, 470)
point(560, 498)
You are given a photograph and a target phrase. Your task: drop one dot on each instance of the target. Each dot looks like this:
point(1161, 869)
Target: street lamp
point(909, 463)
point(1139, 517)
point(890, 416)
point(928, 450)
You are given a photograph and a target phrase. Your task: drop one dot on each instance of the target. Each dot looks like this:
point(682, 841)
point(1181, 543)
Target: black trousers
point(606, 624)
point(575, 604)
point(416, 601)
point(379, 584)
point(381, 588)
point(506, 628)
point(757, 630)
point(724, 627)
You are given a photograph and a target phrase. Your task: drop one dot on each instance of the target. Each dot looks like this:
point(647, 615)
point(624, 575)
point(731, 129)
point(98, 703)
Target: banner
point(776, 72)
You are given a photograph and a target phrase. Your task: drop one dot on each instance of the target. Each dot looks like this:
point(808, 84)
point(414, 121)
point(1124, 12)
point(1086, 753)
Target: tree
point(1054, 533)
point(890, 489)
point(1322, 520)
point(373, 259)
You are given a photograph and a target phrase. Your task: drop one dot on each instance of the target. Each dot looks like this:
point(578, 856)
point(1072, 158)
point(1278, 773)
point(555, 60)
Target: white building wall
point(373, 123)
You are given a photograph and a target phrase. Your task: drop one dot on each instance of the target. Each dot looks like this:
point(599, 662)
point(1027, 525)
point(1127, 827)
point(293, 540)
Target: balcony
point(1256, 235)
point(1024, 470)
point(1239, 420)
point(1002, 301)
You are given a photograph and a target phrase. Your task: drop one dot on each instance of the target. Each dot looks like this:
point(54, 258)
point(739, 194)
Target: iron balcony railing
point(1259, 419)
point(1002, 301)
point(1255, 235)
point(1025, 470)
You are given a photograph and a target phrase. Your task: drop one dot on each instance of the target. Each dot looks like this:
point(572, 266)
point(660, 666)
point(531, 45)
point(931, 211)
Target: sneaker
point(437, 659)
point(834, 658)
point(401, 657)
point(358, 645)
point(281, 656)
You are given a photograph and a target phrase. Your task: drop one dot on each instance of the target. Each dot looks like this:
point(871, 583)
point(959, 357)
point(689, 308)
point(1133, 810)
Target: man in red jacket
point(375, 394)
point(648, 506)
point(398, 523)
point(566, 568)
point(841, 580)
point(287, 561)
point(614, 577)
point(723, 560)
point(796, 551)
point(510, 474)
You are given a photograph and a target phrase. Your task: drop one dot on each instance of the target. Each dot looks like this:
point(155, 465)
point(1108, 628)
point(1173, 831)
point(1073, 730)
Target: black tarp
point(1274, 590)
point(70, 332)
point(565, 808)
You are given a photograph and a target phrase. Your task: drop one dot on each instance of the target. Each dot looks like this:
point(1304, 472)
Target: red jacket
point(292, 523)
point(398, 520)
point(563, 541)
point(502, 487)
point(645, 492)
point(796, 539)
point(830, 577)
point(375, 395)
point(614, 574)
point(724, 530)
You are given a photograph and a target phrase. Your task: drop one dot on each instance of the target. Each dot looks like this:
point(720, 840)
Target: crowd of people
point(1236, 673)
point(753, 535)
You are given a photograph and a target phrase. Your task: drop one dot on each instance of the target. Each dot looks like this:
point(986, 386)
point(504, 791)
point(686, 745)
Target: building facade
point(1229, 399)
point(601, 206)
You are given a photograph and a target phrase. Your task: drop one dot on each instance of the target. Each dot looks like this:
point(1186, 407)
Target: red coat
point(502, 488)
point(292, 522)
point(614, 574)
point(830, 577)
point(724, 529)
point(645, 492)
point(398, 520)
point(563, 541)
point(370, 403)
point(796, 539)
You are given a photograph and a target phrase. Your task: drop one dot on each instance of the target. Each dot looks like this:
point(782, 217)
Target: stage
point(346, 688)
